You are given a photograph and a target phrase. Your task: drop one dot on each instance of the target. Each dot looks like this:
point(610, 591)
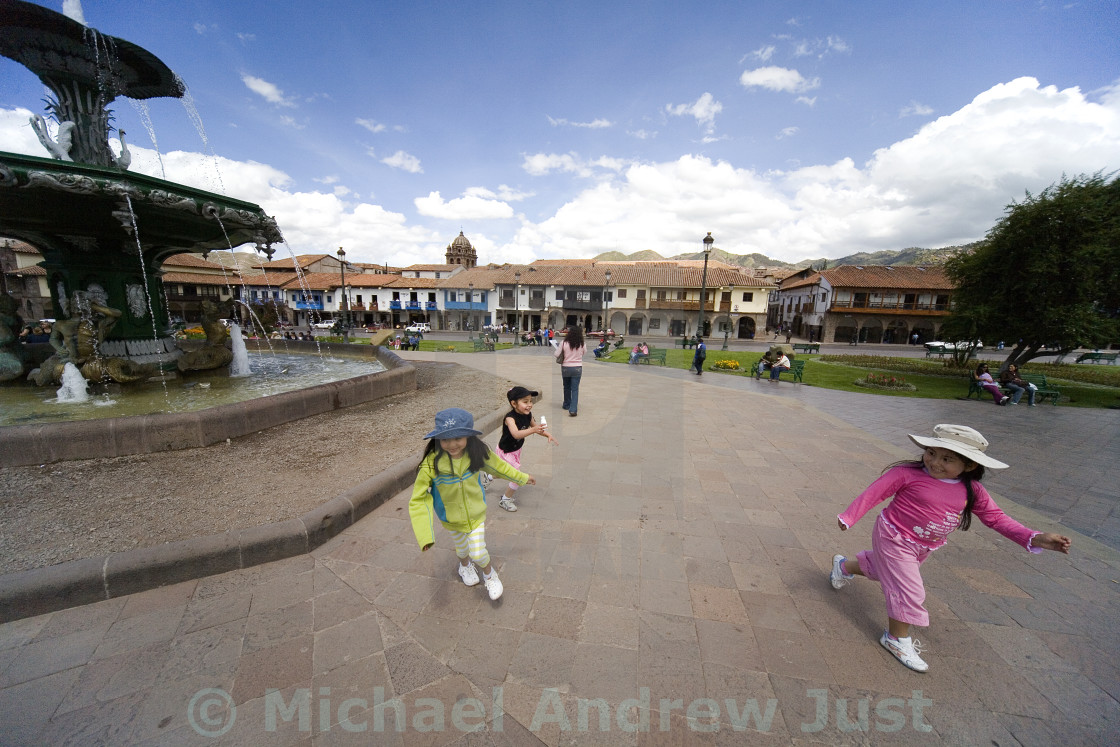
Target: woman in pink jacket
point(931, 497)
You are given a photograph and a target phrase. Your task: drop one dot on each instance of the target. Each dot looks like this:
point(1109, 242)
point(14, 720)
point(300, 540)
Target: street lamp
point(606, 306)
point(730, 322)
point(470, 305)
point(345, 307)
point(708, 241)
point(516, 308)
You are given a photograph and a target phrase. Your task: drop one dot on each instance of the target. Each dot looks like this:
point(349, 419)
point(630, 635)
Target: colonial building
point(24, 280)
point(876, 304)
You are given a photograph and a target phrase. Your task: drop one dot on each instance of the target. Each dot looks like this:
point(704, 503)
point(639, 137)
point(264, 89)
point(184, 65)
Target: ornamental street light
point(730, 321)
point(516, 308)
point(470, 306)
point(606, 305)
point(345, 307)
point(708, 241)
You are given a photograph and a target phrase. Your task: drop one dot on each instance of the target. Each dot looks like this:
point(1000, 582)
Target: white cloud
point(404, 162)
point(915, 109)
point(786, 132)
point(763, 54)
point(245, 38)
point(72, 9)
point(291, 122)
point(779, 79)
point(947, 184)
point(268, 91)
point(704, 109)
point(596, 124)
point(471, 206)
point(200, 28)
point(641, 134)
point(371, 125)
point(332, 179)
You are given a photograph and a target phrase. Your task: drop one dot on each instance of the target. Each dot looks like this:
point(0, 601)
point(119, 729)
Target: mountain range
point(911, 256)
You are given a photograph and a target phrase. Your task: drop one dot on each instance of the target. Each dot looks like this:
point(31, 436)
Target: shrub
point(885, 381)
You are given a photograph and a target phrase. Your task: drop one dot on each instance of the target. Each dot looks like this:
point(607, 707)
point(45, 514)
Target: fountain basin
point(44, 443)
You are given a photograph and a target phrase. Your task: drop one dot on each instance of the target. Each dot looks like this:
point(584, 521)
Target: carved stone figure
point(215, 353)
point(12, 354)
point(78, 339)
point(58, 148)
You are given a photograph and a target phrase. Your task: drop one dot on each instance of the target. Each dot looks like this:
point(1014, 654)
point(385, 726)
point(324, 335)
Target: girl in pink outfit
point(984, 376)
point(932, 497)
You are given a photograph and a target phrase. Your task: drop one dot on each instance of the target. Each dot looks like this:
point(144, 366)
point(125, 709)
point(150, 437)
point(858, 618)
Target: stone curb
point(41, 590)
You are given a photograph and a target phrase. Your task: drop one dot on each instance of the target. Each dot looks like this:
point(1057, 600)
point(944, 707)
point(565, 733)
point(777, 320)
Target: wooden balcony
point(674, 305)
point(894, 308)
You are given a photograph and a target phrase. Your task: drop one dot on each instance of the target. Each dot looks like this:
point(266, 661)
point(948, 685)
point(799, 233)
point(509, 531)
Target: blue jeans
point(1017, 393)
point(571, 376)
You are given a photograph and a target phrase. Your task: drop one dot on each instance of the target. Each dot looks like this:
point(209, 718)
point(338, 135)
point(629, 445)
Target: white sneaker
point(493, 585)
point(1004, 400)
point(905, 650)
point(838, 578)
point(486, 480)
point(508, 504)
point(468, 574)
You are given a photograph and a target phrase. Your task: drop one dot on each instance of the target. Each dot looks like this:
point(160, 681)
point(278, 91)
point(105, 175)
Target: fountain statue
point(215, 352)
point(104, 232)
point(12, 353)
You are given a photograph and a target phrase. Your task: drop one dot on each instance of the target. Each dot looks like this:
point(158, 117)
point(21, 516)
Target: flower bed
point(884, 381)
point(726, 365)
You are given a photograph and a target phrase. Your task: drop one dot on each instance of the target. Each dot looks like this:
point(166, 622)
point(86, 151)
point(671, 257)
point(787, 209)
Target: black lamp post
point(345, 307)
point(708, 241)
point(470, 306)
point(730, 321)
point(516, 308)
point(606, 306)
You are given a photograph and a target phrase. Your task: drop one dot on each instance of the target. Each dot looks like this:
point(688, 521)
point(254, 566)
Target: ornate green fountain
point(104, 232)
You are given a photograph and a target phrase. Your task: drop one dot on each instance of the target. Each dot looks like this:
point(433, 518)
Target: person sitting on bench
point(780, 365)
point(601, 349)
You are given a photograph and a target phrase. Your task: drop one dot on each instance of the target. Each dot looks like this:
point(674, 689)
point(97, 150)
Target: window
point(748, 297)
point(437, 276)
point(610, 296)
point(583, 295)
point(660, 295)
point(432, 297)
point(559, 295)
point(655, 324)
point(622, 293)
point(358, 298)
point(641, 294)
point(680, 295)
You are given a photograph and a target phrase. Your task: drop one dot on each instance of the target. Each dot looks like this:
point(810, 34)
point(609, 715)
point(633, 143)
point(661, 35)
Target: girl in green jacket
point(449, 488)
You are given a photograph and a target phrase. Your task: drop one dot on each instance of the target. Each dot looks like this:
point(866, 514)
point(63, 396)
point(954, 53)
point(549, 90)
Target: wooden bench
point(655, 354)
point(1097, 357)
point(686, 342)
point(938, 350)
point(806, 347)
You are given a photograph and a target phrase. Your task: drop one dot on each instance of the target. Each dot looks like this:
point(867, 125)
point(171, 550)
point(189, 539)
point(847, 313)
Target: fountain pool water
point(74, 389)
point(272, 374)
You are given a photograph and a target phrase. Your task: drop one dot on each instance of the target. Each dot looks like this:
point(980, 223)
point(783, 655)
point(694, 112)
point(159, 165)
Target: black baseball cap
point(520, 392)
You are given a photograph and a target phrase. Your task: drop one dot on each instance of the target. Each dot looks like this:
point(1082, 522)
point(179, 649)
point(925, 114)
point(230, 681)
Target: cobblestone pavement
point(665, 584)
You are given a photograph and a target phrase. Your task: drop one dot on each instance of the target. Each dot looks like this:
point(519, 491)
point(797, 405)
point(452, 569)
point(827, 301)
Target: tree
point(1047, 274)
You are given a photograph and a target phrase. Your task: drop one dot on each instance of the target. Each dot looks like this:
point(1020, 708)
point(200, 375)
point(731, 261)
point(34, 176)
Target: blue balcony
point(430, 306)
point(395, 305)
point(464, 306)
point(412, 305)
point(309, 305)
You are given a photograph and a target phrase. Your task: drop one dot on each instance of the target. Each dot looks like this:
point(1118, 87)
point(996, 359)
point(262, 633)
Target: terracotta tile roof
point(802, 282)
point(191, 260)
point(269, 280)
point(396, 281)
point(430, 268)
point(32, 271)
point(303, 259)
point(198, 278)
point(21, 247)
point(882, 276)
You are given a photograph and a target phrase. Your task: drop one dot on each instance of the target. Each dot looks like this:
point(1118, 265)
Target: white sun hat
point(960, 439)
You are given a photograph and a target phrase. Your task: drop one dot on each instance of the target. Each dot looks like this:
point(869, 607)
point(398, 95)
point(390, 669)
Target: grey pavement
point(665, 584)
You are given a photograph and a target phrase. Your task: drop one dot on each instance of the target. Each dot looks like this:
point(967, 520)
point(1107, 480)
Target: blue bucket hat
point(453, 423)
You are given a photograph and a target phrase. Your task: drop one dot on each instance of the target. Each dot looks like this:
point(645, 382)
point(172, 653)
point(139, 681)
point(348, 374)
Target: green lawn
point(933, 378)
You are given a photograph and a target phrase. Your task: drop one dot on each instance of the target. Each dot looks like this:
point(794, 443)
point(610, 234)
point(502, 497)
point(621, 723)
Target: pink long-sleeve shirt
point(925, 509)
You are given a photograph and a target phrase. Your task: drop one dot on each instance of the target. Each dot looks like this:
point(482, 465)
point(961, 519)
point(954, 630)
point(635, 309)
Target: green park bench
point(686, 342)
point(655, 354)
point(1044, 388)
point(1097, 358)
point(797, 368)
point(939, 351)
point(806, 347)
point(482, 345)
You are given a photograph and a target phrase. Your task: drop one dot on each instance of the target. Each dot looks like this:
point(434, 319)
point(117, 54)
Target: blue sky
point(564, 129)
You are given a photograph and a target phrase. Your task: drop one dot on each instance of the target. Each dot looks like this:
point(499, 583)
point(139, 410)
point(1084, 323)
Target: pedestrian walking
point(449, 488)
point(518, 425)
point(932, 496)
point(699, 356)
point(570, 357)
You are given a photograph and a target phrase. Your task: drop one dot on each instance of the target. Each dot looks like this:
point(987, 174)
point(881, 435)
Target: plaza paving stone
point(666, 583)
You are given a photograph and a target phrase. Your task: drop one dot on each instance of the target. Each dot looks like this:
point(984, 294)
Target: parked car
point(962, 345)
point(323, 325)
point(420, 327)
